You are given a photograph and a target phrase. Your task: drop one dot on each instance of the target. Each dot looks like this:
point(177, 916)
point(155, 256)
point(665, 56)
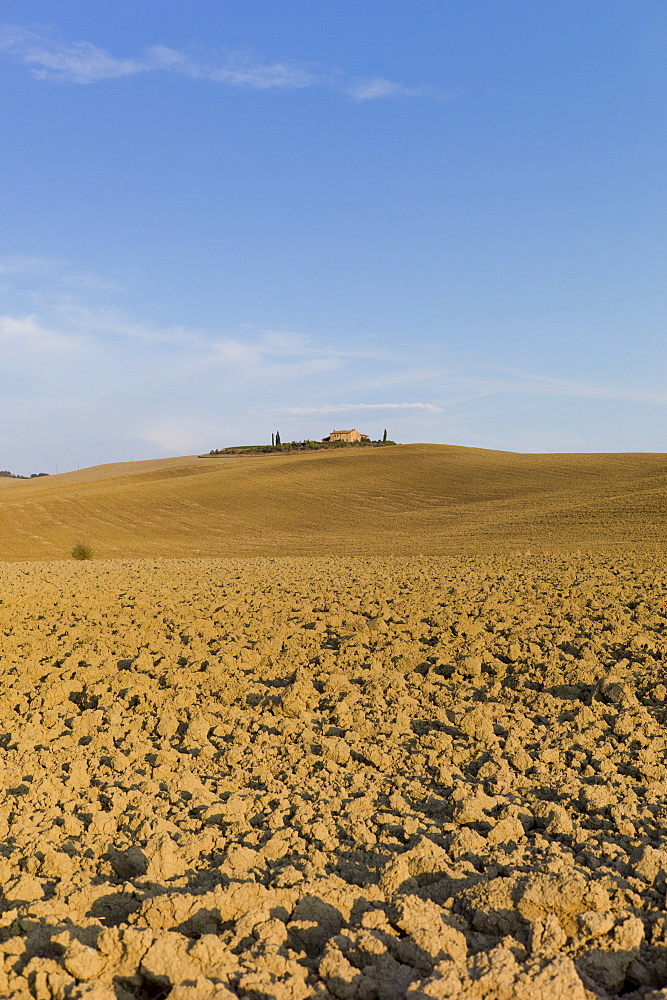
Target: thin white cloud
point(268, 353)
point(94, 322)
point(75, 62)
point(538, 384)
point(24, 338)
point(466, 383)
point(378, 87)
point(179, 436)
point(234, 352)
point(281, 351)
point(124, 355)
point(241, 69)
point(24, 265)
point(82, 62)
point(67, 275)
point(309, 411)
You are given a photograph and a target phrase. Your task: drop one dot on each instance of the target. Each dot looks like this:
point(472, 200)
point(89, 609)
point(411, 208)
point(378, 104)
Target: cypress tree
point(384, 436)
point(277, 437)
point(273, 440)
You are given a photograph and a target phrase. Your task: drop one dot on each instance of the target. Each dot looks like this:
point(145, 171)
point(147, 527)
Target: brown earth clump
point(346, 779)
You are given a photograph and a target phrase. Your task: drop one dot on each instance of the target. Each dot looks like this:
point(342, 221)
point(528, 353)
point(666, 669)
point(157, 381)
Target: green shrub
point(82, 551)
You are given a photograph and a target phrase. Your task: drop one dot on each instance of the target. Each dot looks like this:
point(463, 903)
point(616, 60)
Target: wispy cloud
point(531, 383)
point(68, 276)
point(465, 382)
point(281, 352)
point(24, 265)
point(378, 86)
point(75, 62)
point(127, 354)
point(24, 338)
point(82, 62)
point(308, 411)
point(175, 436)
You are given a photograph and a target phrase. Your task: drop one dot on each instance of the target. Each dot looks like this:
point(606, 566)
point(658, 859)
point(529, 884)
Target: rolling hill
point(411, 499)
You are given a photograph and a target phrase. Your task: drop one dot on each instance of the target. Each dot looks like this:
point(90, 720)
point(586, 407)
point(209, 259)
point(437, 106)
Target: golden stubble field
point(352, 778)
point(407, 500)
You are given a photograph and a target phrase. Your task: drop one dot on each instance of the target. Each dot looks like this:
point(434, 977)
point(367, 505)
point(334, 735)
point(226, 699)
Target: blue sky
point(225, 218)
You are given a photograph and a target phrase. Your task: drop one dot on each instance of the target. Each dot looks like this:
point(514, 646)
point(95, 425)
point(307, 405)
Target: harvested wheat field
point(409, 499)
point(345, 778)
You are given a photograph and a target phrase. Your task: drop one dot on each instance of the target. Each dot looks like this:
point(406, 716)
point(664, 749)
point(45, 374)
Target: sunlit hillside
point(404, 500)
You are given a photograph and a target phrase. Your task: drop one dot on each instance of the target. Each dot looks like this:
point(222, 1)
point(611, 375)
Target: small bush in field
point(82, 551)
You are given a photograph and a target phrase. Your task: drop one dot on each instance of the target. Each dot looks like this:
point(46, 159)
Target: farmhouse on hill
point(348, 436)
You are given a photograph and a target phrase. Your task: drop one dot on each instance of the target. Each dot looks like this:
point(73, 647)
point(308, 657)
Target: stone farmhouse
point(348, 436)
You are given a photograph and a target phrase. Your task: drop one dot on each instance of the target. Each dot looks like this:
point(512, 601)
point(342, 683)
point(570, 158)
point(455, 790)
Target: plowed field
point(352, 778)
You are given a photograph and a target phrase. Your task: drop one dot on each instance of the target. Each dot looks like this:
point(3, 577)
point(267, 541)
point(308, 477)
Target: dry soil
point(275, 779)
